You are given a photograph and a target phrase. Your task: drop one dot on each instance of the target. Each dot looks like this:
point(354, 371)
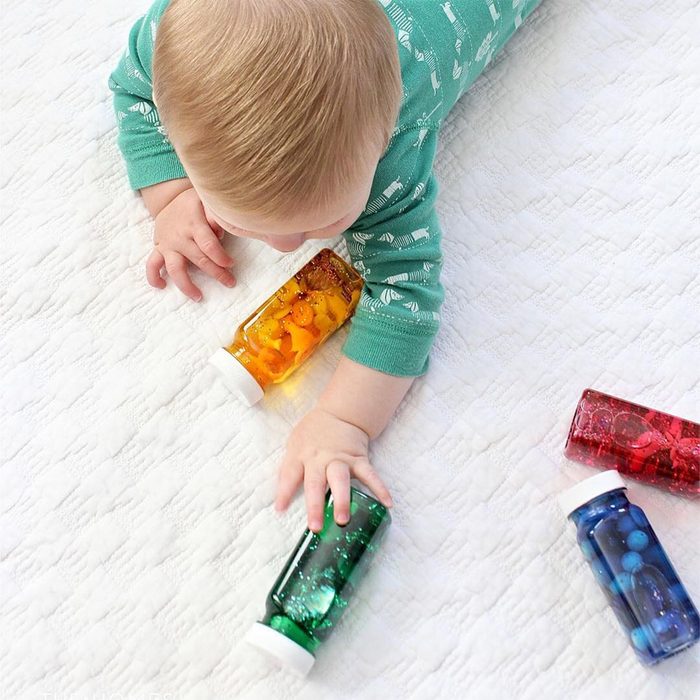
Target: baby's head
point(278, 109)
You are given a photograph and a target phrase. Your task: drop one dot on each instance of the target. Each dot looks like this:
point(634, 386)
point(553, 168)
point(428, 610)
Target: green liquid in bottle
point(313, 589)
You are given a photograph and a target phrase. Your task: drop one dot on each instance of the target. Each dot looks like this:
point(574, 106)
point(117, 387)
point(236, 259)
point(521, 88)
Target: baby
point(288, 120)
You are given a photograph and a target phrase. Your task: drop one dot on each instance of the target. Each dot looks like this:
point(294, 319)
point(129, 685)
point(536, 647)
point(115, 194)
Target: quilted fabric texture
point(137, 536)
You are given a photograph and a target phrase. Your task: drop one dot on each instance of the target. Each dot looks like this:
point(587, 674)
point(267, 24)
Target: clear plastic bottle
point(315, 585)
point(649, 445)
point(632, 568)
point(286, 328)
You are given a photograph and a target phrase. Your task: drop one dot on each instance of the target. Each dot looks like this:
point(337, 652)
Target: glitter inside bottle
point(649, 445)
point(315, 585)
point(632, 568)
point(286, 328)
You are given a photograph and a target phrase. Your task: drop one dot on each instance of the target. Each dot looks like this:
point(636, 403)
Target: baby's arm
point(396, 247)
point(363, 396)
point(149, 156)
point(183, 233)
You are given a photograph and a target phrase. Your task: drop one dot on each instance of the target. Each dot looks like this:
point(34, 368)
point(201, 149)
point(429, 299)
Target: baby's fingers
point(154, 265)
point(210, 245)
point(193, 253)
point(338, 474)
point(176, 265)
point(315, 493)
point(364, 471)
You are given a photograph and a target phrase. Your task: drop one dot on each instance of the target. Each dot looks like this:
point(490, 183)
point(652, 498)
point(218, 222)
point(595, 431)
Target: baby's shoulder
point(409, 157)
point(404, 180)
point(426, 58)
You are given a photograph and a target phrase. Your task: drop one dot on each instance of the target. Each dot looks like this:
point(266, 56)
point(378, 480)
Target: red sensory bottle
point(649, 445)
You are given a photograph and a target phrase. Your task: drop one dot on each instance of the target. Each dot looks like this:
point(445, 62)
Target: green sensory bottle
point(315, 585)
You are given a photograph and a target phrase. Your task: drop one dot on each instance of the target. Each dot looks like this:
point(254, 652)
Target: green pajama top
point(395, 243)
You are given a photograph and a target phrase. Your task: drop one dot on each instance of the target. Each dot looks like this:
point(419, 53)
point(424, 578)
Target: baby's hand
point(325, 450)
point(183, 234)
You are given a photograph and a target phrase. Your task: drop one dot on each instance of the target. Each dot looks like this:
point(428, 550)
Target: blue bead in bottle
point(632, 568)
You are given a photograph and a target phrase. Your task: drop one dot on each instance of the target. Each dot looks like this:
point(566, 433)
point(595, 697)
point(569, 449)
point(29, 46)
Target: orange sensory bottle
point(286, 328)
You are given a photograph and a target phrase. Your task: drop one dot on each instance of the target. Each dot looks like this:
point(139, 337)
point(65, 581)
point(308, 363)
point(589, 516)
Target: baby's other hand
point(183, 235)
point(322, 451)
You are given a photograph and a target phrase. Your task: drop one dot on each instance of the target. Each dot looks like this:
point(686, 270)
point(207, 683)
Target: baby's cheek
point(333, 231)
point(323, 235)
point(240, 233)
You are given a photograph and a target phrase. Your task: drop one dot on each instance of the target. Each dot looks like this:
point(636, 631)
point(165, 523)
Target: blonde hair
point(277, 104)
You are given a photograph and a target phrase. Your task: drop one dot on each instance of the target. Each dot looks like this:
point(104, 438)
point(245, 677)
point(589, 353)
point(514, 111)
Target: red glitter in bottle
point(649, 445)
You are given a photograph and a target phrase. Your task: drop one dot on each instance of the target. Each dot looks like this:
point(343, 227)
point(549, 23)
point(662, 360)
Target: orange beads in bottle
point(284, 330)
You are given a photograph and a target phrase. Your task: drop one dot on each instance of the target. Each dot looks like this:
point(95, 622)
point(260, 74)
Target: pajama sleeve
point(149, 156)
point(395, 245)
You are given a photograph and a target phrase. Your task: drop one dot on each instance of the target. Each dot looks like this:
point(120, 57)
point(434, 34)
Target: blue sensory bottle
point(632, 568)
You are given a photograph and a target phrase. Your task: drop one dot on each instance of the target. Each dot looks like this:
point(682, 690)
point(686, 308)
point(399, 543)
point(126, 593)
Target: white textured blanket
point(137, 537)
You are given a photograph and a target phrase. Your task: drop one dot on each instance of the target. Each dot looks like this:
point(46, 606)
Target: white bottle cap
point(236, 377)
point(588, 489)
point(290, 654)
